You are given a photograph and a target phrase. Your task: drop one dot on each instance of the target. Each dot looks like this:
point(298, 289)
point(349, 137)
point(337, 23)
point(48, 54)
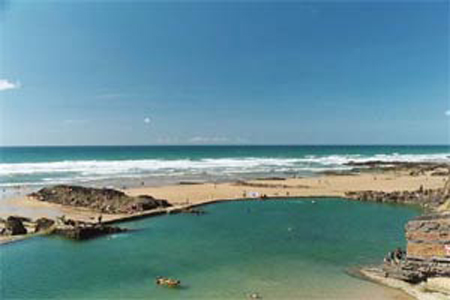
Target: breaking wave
point(49, 172)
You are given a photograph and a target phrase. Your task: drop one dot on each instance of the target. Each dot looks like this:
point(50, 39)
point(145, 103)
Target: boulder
point(43, 224)
point(14, 226)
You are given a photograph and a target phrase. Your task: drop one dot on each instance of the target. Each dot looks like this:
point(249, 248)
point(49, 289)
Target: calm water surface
point(281, 249)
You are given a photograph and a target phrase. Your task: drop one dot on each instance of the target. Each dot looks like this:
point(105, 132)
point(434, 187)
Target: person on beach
point(398, 255)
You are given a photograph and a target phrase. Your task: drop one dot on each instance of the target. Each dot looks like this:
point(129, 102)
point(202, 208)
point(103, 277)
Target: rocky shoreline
point(428, 250)
point(413, 168)
point(425, 265)
point(429, 199)
point(97, 200)
point(80, 231)
point(15, 226)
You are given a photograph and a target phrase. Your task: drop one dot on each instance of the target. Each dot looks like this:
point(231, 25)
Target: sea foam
point(103, 169)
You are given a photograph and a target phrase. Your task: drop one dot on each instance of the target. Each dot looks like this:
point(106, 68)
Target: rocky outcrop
point(272, 178)
point(431, 199)
point(84, 231)
point(102, 200)
point(76, 230)
point(415, 168)
point(427, 198)
point(13, 225)
point(428, 250)
point(43, 224)
point(79, 230)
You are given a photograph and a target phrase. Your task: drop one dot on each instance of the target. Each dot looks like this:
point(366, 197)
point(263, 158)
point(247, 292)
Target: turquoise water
point(53, 154)
point(281, 249)
point(38, 166)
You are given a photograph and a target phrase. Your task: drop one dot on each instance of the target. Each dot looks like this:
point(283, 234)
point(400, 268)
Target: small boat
point(169, 282)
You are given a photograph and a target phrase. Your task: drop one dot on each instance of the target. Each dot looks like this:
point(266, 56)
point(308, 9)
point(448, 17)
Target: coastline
point(185, 196)
point(420, 291)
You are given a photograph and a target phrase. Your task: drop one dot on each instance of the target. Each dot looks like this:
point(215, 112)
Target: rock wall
point(429, 237)
point(427, 252)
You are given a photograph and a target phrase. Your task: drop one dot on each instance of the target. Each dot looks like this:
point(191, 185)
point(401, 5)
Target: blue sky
point(224, 73)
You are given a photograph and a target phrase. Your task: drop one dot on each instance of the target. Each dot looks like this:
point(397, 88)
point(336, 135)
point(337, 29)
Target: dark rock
point(102, 200)
point(413, 168)
point(190, 182)
point(77, 230)
point(271, 178)
point(440, 173)
point(339, 173)
point(43, 224)
point(14, 226)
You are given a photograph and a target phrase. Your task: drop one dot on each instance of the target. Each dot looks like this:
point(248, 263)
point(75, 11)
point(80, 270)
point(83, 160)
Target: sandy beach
point(323, 186)
point(188, 194)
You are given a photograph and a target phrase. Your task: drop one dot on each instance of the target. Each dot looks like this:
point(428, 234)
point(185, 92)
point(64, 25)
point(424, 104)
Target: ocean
point(289, 249)
point(120, 166)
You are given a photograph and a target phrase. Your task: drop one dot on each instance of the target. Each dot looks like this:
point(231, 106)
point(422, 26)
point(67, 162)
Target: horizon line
point(224, 145)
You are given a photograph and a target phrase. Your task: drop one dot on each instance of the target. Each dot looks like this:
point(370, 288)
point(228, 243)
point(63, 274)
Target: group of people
point(395, 256)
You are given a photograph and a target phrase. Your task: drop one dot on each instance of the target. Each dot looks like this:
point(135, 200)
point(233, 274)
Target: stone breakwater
point(100, 200)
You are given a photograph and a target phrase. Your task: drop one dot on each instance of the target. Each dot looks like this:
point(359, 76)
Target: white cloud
point(147, 120)
point(447, 113)
point(5, 84)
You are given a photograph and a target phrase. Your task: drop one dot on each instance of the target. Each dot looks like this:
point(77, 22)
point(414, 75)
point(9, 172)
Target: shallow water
point(281, 249)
